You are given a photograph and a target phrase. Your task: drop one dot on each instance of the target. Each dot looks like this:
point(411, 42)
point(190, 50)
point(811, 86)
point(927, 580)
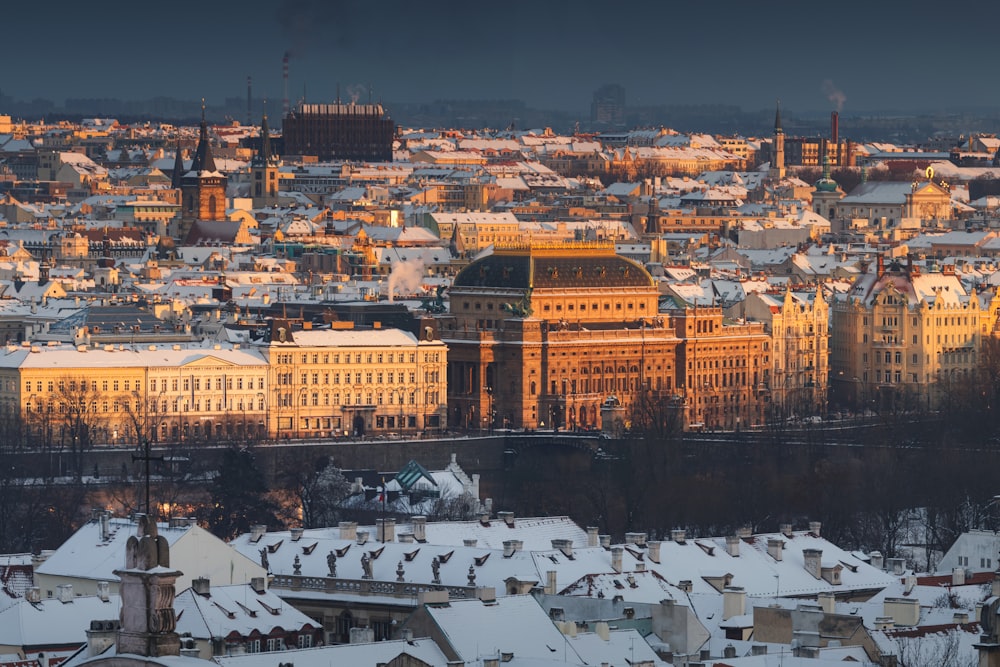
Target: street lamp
point(489, 394)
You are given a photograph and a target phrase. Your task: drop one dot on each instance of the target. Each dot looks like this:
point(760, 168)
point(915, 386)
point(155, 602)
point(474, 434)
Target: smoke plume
point(406, 276)
point(834, 94)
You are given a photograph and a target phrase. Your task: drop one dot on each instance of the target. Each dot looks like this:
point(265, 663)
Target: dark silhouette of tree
point(319, 492)
point(239, 496)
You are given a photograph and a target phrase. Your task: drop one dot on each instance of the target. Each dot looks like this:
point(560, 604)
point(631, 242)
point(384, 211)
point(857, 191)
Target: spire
point(777, 118)
point(175, 178)
point(203, 160)
point(263, 157)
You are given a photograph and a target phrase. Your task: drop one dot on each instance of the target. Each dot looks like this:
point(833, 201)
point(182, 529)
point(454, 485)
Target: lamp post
point(489, 394)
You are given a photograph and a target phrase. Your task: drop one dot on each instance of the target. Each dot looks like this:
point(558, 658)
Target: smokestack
point(249, 103)
point(835, 127)
point(284, 78)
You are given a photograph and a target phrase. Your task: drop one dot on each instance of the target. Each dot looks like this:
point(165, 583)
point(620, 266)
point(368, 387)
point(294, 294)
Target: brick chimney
point(385, 529)
point(775, 547)
point(827, 602)
point(348, 530)
point(419, 528)
point(201, 586)
point(653, 550)
point(565, 546)
point(616, 558)
point(734, 602)
point(813, 562)
point(733, 546)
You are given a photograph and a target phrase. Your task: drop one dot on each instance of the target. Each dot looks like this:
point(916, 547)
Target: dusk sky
point(862, 56)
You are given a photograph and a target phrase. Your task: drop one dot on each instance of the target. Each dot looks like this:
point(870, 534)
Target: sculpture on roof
point(520, 309)
point(436, 570)
point(366, 566)
point(331, 563)
point(263, 560)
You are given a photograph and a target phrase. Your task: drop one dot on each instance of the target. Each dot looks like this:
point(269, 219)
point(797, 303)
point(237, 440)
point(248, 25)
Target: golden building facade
point(721, 367)
point(903, 337)
point(541, 335)
point(355, 382)
point(798, 324)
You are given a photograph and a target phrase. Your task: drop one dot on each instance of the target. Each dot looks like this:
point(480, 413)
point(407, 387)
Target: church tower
point(264, 171)
point(777, 171)
point(203, 188)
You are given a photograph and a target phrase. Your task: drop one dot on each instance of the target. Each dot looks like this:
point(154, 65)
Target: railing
point(397, 589)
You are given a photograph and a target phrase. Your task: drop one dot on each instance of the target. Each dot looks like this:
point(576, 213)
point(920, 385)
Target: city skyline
point(552, 56)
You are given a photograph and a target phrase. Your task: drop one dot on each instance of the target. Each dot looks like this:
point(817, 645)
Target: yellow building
point(345, 381)
point(798, 323)
point(120, 395)
point(901, 337)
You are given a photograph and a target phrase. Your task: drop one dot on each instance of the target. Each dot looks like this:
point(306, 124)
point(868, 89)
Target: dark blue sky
point(864, 56)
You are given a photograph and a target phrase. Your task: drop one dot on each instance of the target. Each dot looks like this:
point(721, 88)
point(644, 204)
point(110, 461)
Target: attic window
point(271, 548)
point(274, 611)
point(443, 558)
point(252, 613)
point(308, 550)
point(343, 552)
point(480, 560)
point(410, 555)
point(377, 552)
point(225, 611)
point(707, 548)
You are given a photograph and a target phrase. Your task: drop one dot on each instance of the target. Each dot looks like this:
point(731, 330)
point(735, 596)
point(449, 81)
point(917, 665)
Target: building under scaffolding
point(339, 132)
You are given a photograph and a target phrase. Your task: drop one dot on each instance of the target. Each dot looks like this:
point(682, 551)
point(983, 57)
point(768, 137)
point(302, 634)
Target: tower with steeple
point(203, 187)
point(264, 171)
point(777, 171)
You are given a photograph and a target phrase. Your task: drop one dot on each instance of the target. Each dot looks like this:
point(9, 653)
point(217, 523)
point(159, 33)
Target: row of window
point(356, 358)
point(371, 377)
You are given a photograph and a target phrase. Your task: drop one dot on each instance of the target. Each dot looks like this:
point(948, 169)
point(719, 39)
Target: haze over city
point(853, 56)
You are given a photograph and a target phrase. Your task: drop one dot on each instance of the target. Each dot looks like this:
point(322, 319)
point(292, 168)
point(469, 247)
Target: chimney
point(486, 593)
point(602, 630)
point(758, 649)
point(105, 519)
point(678, 535)
point(685, 585)
point(733, 546)
point(835, 128)
point(103, 589)
point(296, 534)
point(774, 547)
point(958, 576)
point(638, 539)
point(734, 602)
point(64, 593)
point(729, 651)
point(786, 530)
point(101, 635)
point(349, 530)
point(362, 635)
point(896, 566)
point(258, 585)
point(507, 518)
point(550, 582)
point(510, 547)
point(33, 595)
point(744, 532)
point(827, 602)
point(362, 536)
point(653, 551)
point(903, 611)
point(201, 586)
point(605, 541)
point(812, 560)
point(814, 527)
point(876, 560)
point(385, 529)
point(593, 539)
point(565, 546)
point(257, 532)
point(470, 542)
point(616, 558)
point(419, 528)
